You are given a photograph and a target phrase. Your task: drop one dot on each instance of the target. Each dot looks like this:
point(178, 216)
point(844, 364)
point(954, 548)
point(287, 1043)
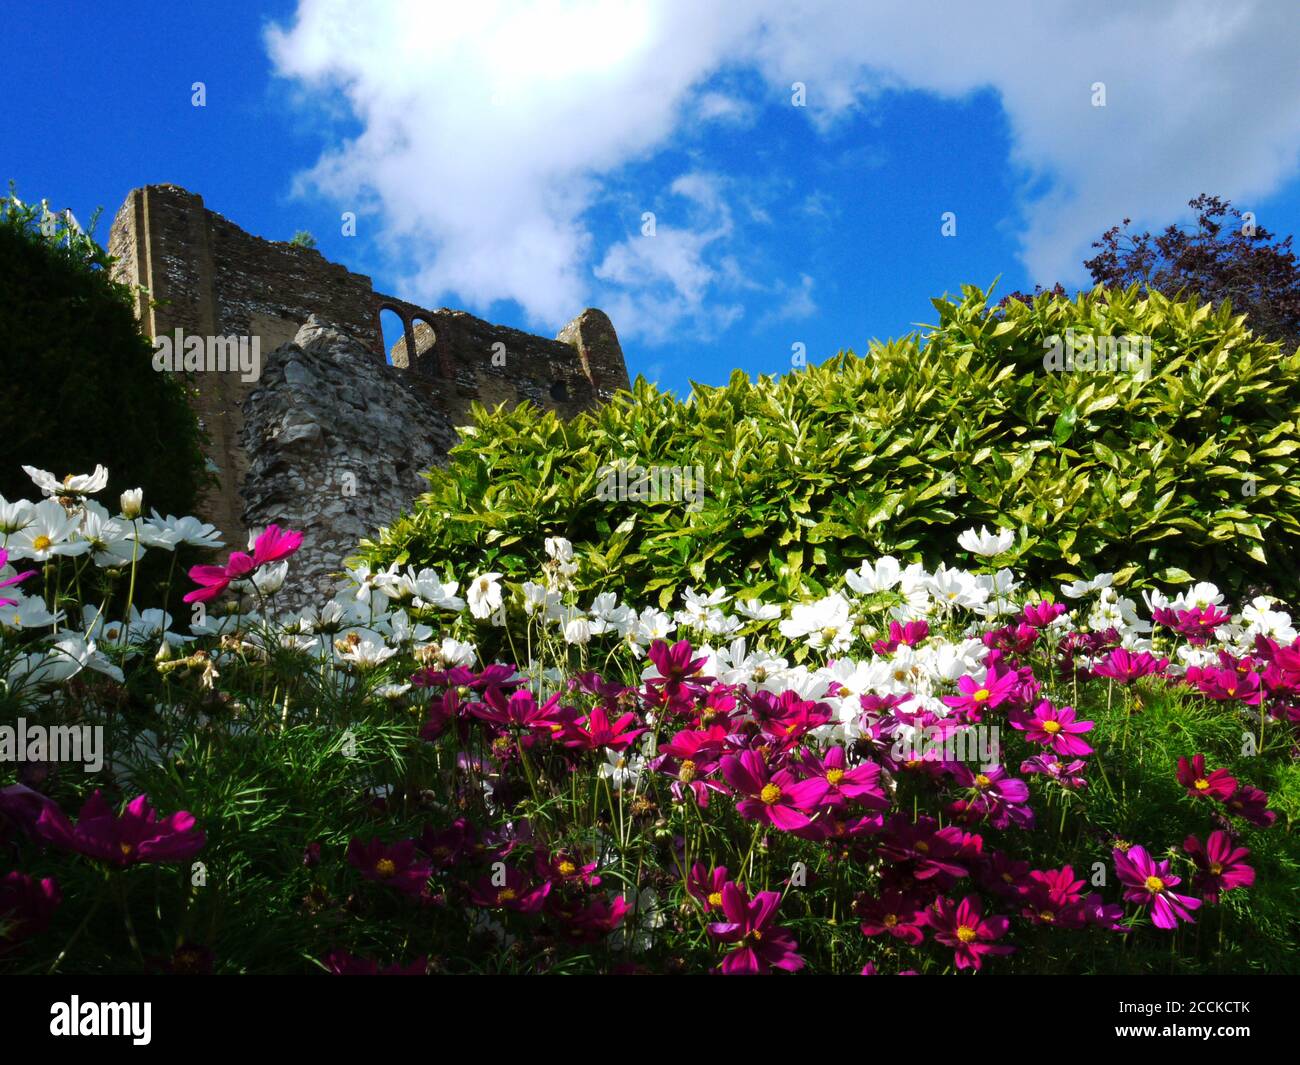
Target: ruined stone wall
point(209, 278)
point(337, 442)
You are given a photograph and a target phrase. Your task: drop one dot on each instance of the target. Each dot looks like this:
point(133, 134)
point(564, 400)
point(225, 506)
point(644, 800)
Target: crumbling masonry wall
point(206, 276)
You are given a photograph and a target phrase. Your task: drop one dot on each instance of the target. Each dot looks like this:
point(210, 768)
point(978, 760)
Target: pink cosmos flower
point(760, 945)
point(394, 864)
point(598, 732)
point(894, 913)
point(1123, 666)
point(994, 795)
point(1067, 774)
point(510, 890)
point(1197, 624)
point(275, 544)
point(705, 885)
point(1252, 805)
point(1150, 883)
point(1199, 784)
point(135, 835)
point(1040, 615)
point(1221, 866)
point(26, 906)
point(7, 582)
point(778, 798)
point(861, 784)
point(963, 927)
point(1055, 729)
point(271, 546)
point(978, 696)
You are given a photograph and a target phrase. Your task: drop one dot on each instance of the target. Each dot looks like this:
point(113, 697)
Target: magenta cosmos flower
point(760, 946)
point(26, 906)
point(778, 798)
point(510, 890)
point(1199, 784)
point(894, 913)
point(1123, 666)
point(395, 864)
point(1221, 866)
point(135, 835)
point(963, 927)
point(599, 732)
point(977, 696)
point(272, 545)
point(6, 582)
point(1056, 729)
point(861, 784)
point(1150, 883)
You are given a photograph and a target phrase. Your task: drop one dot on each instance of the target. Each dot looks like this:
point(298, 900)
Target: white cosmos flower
point(756, 610)
point(825, 625)
point(1078, 589)
point(130, 502)
point(621, 768)
point(170, 532)
point(955, 587)
point(987, 544)
point(270, 579)
point(577, 629)
point(52, 531)
point(868, 579)
point(113, 541)
point(15, 515)
point(26, 612)
point(608, 616)
point(457, 653)
point(80, 484)
point(364, 652)
point(431, 591)
point(558, 548)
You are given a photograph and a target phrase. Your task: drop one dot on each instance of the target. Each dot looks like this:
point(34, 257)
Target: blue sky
point(502, 157)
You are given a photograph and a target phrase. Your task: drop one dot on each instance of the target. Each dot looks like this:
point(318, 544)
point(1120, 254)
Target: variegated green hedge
point(1188, 472)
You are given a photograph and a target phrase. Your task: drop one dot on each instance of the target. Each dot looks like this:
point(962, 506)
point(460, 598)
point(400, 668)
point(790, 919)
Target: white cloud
point(490, 129)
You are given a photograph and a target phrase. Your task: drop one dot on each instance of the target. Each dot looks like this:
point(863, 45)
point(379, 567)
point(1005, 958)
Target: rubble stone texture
point(327, 393)
point(337, 442)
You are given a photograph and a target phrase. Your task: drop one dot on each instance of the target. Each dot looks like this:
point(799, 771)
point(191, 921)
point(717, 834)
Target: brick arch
point(408, 329)
point(439, 351)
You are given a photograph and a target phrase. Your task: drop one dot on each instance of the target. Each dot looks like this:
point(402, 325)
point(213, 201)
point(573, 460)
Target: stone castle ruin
point(330, 438)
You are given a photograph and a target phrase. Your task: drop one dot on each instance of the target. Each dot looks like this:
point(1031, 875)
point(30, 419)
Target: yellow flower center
point(715, 898)
point(966, 933)
point(41, 543)
point(923, 847)
point(1051, 727)
point(770, 793)
point(687, 772)
point(567, 868)
point(385, 867)
point(981, 781)
point(126, 849)
point(1216, 868)
point(981, 695)
point(891, 919)
point(506, 895)
point(1155, 885)
point(834, 776)
point(1047, 915)
point(1201, 784)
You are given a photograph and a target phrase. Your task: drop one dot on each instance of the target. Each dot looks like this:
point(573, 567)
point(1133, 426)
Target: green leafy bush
point(79, 382)
point(1182, 468)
